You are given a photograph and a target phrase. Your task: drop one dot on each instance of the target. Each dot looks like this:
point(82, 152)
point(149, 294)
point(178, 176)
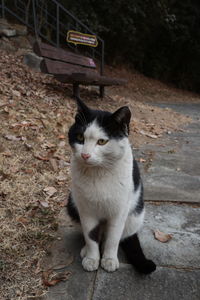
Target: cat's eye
point(80, 137)
point(102, 142)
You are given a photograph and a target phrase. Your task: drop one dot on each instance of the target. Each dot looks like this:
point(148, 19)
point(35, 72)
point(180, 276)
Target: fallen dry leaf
point(23, 124)
point(2, 103)
point(28, 171)
point(10, 137)
point(63, 263)
point(41, 157)
point(64, 202)
point(14, 169)
point(50, 191)
point(62, 144)
point(161, 236)
point(62, 163)
point(54, 164)
point(16, 93)
point(23, 220)
point(7, 153)
point(153, 136)
point(50, 279)
point(44, 204)
point(6, 109)
point(142, 160)
point(61, 177)
point(48, 145)
point(4, 176)
point(28, 146)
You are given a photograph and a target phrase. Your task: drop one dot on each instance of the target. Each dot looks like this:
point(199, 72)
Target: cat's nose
point(85, 156)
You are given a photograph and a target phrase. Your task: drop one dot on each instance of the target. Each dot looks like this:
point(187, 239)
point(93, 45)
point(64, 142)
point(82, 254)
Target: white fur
point(102, 188)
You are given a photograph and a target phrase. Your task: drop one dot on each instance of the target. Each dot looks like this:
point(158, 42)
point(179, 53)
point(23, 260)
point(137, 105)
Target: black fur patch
point(140, 204)
point(135, 255)
point(72, 210)
point(115, 125)
point(95, 233)
point(136, 175)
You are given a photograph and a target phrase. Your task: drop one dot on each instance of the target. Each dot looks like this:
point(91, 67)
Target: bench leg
point(76, 90)
point(102, 91)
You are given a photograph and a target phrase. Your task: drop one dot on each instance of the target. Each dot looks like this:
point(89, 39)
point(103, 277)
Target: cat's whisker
point(84, 118)
point(81, 117)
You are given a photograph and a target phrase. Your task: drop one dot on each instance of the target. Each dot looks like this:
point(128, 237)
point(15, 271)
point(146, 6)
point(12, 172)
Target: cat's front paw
point(90, 264)
point(110, 264)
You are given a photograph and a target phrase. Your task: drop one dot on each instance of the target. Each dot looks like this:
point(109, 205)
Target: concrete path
point(172, 194)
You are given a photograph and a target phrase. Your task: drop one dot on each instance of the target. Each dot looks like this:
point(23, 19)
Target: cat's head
point(99, 138)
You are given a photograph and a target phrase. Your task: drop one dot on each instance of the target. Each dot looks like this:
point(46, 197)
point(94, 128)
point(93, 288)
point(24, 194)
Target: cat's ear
point(122, 116)
point(81, 106)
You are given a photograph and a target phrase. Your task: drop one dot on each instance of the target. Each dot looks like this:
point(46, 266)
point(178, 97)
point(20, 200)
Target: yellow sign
point(76, 37)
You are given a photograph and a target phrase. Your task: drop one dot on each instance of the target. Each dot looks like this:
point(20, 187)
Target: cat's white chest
point(103, 193)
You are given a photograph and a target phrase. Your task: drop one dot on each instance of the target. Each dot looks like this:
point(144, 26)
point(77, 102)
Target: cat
point(107, 190)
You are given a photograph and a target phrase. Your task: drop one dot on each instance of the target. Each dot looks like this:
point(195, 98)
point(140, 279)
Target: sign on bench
point(76, 37)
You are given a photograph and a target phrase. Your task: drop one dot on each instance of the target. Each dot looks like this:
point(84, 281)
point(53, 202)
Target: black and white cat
point(107, 191)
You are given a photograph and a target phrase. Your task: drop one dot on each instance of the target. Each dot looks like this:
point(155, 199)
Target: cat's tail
point(135, 255)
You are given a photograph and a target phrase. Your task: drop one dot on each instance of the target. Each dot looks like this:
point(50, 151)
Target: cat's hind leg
point(131, 245)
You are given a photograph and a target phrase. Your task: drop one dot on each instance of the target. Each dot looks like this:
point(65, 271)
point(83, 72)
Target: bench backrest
point(57, 60)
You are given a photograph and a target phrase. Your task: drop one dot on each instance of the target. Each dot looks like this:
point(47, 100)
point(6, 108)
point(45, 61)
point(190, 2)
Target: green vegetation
point(159, 38)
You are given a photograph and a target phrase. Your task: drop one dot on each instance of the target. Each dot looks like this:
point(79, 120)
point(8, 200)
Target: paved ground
point(172, 194)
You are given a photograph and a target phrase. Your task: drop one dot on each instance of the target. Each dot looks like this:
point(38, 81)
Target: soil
point(149, 90)
point(36, 112)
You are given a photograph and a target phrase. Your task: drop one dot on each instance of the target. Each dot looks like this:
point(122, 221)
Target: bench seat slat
point(89, 79)
point(58, 67)
point(58, 54)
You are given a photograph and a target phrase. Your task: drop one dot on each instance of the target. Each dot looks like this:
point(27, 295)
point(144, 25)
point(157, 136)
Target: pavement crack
point(180, 268)
point(166, 202)
point(91, 291)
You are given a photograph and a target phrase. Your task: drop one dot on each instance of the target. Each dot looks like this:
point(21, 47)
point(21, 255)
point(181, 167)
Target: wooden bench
point(69, 67)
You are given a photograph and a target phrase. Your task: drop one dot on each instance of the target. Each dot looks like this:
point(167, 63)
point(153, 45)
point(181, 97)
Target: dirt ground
point(149, 90)
point(35, 114)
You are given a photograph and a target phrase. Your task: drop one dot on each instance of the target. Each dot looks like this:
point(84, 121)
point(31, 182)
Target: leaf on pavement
point(142, 160)
point(161, 236)
point(50, 279)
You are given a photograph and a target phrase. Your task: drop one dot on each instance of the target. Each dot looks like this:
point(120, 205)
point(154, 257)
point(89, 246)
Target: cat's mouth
point(89, 163)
